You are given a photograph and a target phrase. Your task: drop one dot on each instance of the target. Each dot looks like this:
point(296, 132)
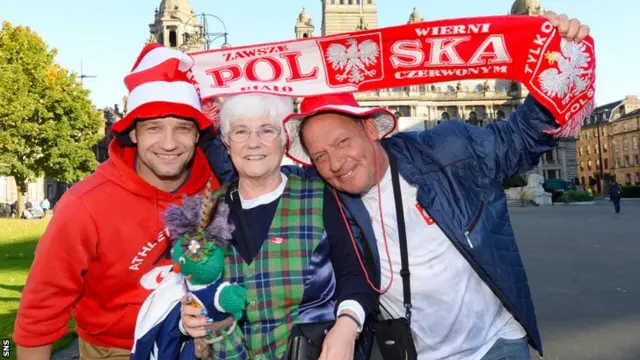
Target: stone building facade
point(614, 121)
point(625, 134)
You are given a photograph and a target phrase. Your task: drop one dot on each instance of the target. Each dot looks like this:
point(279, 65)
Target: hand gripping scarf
point(560, 74)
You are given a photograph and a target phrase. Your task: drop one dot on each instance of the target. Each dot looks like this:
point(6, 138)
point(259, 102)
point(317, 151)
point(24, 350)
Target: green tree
point(48, 125)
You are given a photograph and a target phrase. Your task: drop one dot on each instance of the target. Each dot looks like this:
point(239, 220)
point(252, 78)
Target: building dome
point(415, 17)
point(526, 7)
point(304, 17)
point(168, 6)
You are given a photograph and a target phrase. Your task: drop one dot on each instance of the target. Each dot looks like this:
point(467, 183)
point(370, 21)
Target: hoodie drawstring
point(164, 254)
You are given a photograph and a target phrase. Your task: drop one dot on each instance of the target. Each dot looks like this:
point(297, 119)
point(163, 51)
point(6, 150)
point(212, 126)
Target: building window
point(617, 162)
point(552, 174)
point(634, 142)
point(580, 151)
point(606, 164)
point(628, 179)
point(588, 149)
point(581, 165)
point(605, 147)
point(589, 164)
point(173, 39)
point(625, 144)
point(548, 156)
point(615, 146)
point(638, 178)
point(405, 111)
point(451, 89)
point(626, 161)
point(422, 88)
point(473, 118)
point(604, 132)
point(636, 160)
point(598, 164)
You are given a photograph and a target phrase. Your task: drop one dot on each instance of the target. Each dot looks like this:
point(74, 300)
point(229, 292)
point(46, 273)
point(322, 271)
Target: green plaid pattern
point(275, 279)
point(232, 346)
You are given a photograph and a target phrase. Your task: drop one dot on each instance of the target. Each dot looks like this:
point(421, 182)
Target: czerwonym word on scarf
point(560, 74)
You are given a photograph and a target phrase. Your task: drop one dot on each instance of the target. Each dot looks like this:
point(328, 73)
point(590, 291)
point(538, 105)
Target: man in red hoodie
point(103, 251)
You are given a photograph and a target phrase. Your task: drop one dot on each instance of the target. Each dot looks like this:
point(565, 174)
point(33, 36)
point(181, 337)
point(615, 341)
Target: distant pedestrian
point(45, 205)
point(615, 193)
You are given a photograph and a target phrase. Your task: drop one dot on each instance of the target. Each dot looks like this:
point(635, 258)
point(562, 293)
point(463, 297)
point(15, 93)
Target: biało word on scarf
point(560, 74)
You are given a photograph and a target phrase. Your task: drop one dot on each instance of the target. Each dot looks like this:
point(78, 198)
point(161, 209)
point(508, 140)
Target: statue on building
point(124, 105)
point(152, 39)
point(485, 86)
point(459, 87)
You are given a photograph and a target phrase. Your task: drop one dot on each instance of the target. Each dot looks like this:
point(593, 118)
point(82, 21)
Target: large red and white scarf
point(560, 74)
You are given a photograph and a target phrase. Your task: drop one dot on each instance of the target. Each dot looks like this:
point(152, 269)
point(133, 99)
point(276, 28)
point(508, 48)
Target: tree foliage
point(48, 125)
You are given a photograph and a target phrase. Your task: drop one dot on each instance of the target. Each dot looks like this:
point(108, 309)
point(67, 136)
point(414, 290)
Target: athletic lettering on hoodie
point(102, 254)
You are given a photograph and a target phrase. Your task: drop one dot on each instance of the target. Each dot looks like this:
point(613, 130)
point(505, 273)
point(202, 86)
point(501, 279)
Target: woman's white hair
point(255, 106)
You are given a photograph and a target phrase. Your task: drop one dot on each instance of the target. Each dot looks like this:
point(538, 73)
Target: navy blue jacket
point(459, 170)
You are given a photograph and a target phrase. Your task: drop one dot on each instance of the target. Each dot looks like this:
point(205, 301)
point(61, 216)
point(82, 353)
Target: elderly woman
point(291, 249)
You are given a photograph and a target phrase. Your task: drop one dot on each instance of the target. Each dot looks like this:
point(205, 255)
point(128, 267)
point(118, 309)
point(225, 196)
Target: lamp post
point(601, 182)
point(201, 36)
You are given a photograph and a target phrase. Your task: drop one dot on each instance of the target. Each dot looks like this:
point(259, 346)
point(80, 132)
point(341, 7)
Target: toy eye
point(182, 260)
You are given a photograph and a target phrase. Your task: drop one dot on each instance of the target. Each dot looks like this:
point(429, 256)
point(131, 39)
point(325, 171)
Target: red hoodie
point(97, 255)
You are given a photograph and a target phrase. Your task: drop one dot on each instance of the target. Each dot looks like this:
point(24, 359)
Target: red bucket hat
point(345, 104)
point(159, 85)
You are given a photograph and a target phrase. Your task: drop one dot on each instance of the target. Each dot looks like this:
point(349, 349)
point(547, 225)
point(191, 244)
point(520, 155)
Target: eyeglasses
point(265, 133)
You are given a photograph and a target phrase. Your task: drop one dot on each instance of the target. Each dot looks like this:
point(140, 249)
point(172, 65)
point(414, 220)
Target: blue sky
point(108, 35)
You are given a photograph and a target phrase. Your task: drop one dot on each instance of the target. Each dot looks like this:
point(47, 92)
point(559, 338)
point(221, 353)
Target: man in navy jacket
point(473, 300)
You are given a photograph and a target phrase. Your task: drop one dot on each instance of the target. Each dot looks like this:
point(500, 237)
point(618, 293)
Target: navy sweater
point(350, 278)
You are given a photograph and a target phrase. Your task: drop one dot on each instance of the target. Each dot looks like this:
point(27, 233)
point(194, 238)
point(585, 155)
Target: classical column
point(562, 153)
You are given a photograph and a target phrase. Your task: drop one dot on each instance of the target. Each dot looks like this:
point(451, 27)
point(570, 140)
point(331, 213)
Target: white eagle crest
point(571, 77)
point(353, 60)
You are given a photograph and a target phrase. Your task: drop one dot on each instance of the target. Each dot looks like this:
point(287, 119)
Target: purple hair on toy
point(185, 220)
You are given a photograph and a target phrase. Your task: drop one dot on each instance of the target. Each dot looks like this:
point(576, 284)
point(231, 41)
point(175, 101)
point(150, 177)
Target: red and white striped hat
point(159, 85)
point(345, 104)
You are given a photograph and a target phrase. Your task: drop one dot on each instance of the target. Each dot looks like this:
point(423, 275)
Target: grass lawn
point(18, 240)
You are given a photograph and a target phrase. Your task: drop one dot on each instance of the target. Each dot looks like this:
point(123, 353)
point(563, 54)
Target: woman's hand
point(340, 342)
point(195, 322)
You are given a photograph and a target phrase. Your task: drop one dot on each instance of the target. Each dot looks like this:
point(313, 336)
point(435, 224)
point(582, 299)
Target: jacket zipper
point(483, 276)
point(474, 222)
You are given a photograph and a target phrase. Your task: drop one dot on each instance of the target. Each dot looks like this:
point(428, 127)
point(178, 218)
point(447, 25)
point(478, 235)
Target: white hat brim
point(385, 122)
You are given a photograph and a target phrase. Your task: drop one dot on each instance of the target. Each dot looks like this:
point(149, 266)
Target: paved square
point(583, 264)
